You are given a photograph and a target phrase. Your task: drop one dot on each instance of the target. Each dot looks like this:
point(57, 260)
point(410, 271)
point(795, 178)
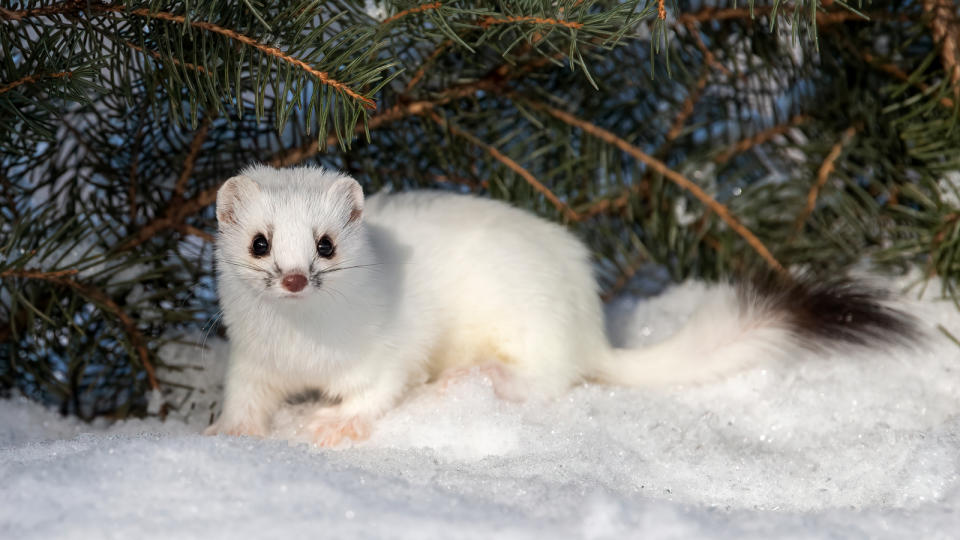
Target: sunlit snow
point(855, 446)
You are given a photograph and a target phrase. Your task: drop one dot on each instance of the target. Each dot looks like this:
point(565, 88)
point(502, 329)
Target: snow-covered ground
point(849, 446)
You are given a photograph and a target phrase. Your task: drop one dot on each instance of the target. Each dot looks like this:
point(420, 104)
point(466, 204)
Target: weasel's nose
point(294, 282)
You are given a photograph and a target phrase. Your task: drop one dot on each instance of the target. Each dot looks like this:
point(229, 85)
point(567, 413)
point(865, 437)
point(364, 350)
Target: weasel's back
point(488, 271)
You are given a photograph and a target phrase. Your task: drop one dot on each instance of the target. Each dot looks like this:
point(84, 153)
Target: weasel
point(322, 289)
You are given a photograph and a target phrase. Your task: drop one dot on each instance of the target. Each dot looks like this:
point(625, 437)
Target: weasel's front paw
point(237, 429)
point(328, 427)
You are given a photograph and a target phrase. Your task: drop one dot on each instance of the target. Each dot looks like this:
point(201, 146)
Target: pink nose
point(294, 282)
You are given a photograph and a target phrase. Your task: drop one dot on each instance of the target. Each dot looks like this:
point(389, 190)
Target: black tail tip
point(837, 310)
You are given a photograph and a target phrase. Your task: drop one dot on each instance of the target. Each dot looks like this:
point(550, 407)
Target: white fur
point(439, 281)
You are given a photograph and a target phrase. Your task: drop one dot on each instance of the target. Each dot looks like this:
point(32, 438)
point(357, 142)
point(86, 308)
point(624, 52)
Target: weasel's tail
point(764, 318)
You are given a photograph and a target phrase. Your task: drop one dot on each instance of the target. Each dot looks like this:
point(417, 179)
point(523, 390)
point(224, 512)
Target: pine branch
point(321, 76)
point(29, 79)
point(63, 278)
point(418, 9)
point(760, 138)
point(511, 164)
point(547, 21)
point(823, 174)
point(945, 25)
point(669, 173)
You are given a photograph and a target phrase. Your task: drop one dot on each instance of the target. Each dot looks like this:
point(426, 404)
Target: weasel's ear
point(349, 190)
point(232, 195)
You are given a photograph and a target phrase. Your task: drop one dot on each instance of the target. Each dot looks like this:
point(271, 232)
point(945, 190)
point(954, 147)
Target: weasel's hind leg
point(505, 383)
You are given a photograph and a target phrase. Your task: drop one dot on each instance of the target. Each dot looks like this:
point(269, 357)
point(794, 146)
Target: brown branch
point(38, 274)
point(32, 79)
point(945, 26)
point(661, 10)
point(62, 278)
point(760, 138)
point(78, 5)
point(898, 73)
point(163, 58)
point(822, 175)
point(422, 70)
point(823, 19)
point(708, 55)
point(310, 149)
point(685, 111)
point(55, 9)
point(193, 231)
point(188, 163)
point(490, 21)
point(171, 218)
point(670, 174)
point(321, 76)
point(624, 278)
point(511, 164)
point(418, 9)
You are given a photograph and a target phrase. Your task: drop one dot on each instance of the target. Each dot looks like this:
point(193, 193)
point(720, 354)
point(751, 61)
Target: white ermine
point(362, 299)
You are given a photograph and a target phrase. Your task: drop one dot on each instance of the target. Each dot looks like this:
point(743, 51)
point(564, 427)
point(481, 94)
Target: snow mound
point(845, 446)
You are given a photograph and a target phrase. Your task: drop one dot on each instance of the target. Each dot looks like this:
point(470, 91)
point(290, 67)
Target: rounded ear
point(232, 195)
point(347, 189)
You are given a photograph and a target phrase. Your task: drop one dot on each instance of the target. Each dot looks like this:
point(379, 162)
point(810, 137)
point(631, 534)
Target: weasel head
point(285, 234)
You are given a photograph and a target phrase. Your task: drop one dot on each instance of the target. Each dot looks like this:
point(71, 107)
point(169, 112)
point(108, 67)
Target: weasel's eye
point(260, 246)
point(325, 247)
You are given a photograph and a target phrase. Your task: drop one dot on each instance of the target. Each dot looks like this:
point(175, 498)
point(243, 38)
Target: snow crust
point(847, 446)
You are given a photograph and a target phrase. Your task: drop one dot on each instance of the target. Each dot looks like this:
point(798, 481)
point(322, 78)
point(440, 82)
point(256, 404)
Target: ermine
point(362, 299)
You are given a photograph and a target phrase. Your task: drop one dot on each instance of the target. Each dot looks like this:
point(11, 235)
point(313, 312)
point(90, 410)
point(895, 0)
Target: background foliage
point(702, 136)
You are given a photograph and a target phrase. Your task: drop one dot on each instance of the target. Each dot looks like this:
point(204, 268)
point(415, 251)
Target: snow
point(851, 446)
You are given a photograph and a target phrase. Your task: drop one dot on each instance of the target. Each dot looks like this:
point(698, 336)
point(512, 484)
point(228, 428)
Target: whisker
point(339, 268)
point(248, 266)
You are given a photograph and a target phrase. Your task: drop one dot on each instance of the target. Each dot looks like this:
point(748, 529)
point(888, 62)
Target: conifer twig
point(163, 58)
point(568, 212)
point(898, 73)
point(64, 278)
point(670, 174)
point(686, 109)
point(945, 26)
point(32, 79)
point(188, 163)
point(321, 76)
point(822, 175)
point(422, 70)
point(419, 9)
point(760, 138)
point(490, 21)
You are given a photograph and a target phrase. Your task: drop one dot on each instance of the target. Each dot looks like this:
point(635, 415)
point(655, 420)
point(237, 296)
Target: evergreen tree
point(701, 136)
